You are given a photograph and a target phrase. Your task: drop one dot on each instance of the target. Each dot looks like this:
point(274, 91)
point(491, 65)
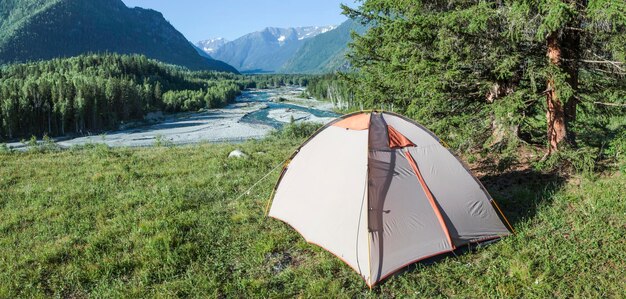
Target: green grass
point(166, 222)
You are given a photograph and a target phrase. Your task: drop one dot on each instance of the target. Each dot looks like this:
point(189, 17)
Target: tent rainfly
point(380, 192)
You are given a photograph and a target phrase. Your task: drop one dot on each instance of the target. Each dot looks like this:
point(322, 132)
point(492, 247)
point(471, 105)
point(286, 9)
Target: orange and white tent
point(380, 192)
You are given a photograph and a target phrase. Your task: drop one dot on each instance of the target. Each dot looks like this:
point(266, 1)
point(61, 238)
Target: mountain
point(201, 52)
point(266, 50)
point(325, 52)
point(211, 45)
point(312, 31)
point(45, 29)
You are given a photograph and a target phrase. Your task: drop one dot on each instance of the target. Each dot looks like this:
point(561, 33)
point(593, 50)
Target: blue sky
point(202, 19)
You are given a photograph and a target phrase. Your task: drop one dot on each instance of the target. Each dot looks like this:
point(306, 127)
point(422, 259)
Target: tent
point(381, 192)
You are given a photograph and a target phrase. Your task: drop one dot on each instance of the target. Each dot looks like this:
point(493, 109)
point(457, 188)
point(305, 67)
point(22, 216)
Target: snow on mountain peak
point(280, 35)
point(308, 32)
point(212, 45)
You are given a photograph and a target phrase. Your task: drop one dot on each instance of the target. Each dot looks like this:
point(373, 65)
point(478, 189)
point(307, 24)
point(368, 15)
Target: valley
point(136, 162)
point(253, 115)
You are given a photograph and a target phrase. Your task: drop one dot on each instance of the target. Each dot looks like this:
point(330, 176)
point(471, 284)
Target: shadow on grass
point(519, 194)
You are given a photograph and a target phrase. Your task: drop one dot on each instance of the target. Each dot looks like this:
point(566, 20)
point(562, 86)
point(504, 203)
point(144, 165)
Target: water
point(262, 116)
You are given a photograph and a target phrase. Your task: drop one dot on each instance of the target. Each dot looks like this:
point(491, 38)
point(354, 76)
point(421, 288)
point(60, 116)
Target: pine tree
point(474, 66)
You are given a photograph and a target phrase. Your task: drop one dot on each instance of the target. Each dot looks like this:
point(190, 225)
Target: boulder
point(237, 154)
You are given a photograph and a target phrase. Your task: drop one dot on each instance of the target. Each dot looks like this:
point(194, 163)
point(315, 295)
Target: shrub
point(4, 148)
point(581, 161)
point(616, 150)
point(298, 130)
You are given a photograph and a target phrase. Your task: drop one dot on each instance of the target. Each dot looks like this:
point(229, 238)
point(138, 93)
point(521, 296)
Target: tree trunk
point(94, 115)
point(571, 51)
point(564, 52)
point(555, 114)
point(49, 121)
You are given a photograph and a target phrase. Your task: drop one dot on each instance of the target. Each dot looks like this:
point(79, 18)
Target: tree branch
point(614, 63)
point(610, 104)
point(575, 29)
point(609, 72)
point(599, 61)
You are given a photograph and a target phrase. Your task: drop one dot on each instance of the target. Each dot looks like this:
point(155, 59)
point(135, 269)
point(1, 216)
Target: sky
point(204, 19)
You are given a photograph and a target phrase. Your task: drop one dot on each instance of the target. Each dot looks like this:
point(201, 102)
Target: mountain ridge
point(93, 26)
point(268, 49)
point(325, 52)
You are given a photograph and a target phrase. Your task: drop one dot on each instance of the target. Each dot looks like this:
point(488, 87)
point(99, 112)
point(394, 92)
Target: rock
point(237, 154)
point(277, 99)
point(284, 115)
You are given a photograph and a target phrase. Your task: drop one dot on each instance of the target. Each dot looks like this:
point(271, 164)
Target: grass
point(166, 222)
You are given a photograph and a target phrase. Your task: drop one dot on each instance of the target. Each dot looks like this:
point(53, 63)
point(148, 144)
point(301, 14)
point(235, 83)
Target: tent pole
point(269, 202)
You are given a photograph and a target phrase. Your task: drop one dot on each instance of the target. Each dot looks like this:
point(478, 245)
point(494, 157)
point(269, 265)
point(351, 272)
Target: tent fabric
point(396, 139)
point(327, 198)
point(403, 228)
point(465, 205)
point(380, 192)
point(431, 199)
point(357, 122)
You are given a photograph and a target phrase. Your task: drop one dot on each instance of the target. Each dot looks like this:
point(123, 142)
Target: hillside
point(40, 30)
point(267, 50)
point(176, 222)
point(325, 52)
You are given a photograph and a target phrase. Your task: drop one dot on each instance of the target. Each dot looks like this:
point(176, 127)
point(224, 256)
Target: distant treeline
point(274, 81)
point(92, 93)
point(334, 88)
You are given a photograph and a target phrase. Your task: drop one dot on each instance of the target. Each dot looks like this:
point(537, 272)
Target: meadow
point(176, 222)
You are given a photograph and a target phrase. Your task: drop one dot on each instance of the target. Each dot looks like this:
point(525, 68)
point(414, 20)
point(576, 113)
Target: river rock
point(286, 114)
point(237, 154)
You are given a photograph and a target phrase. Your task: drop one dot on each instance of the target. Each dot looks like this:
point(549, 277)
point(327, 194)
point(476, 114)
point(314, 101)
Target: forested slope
point(39, 30)
point(324, 53)
point(97, 92)
point(94, 92)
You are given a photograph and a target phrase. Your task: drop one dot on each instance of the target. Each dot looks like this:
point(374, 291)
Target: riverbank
point(215, 125)
point(296, 96)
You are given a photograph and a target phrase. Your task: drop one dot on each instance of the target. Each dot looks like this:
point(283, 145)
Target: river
point(253, 115)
